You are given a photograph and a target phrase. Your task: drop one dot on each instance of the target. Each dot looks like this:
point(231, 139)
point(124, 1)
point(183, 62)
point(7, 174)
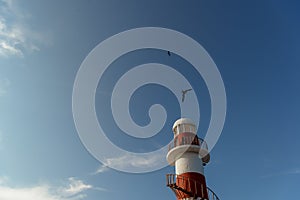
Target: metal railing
point(189, 140)
point(191, 188)
point(211, 194)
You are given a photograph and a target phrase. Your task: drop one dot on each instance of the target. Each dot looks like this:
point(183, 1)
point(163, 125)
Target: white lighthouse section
point(189, 162)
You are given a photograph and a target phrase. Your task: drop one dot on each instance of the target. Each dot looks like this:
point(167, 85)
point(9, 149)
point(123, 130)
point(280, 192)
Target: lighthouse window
point(185, 127)
point(180, 128)
point(189, 129)
point(193, 129)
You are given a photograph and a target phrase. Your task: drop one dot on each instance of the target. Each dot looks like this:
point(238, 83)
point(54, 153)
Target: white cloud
point(75, 186)
point(73, 191)
point(16, 36)
point(39, 192)
point(130, 161)
point(8, 49)
point(4, 84)
point(101, 169)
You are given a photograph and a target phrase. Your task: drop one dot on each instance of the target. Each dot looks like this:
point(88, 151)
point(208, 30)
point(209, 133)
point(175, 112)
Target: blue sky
point(255, 45)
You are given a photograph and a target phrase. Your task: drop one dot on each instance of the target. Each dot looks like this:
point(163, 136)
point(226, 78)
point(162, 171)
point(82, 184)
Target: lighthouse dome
point(183, 121)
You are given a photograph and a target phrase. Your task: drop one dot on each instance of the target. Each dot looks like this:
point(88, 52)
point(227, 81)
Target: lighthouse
point(189, 154)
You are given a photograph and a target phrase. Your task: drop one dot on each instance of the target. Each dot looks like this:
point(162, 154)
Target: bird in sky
point(184, 92)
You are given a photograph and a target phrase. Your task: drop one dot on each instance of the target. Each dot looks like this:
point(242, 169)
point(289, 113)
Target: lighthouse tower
point(189, 154)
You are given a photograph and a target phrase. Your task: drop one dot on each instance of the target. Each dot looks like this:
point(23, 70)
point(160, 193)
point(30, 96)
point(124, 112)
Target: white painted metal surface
point(189, 162)
point(183, 121)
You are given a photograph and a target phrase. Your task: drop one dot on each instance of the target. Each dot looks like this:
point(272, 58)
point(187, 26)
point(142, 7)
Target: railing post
point(174, 178)
point(167, 177)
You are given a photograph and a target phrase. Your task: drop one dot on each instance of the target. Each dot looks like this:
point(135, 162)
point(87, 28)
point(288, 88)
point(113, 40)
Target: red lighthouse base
point(188, 185)
point(193, 183)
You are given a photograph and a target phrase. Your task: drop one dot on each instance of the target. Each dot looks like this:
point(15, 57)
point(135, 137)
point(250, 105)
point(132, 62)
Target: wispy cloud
point(73, 191)
point(293, 171)
point(4, 84)
point(16, 36)
point(130, 161)
point(77, 186)
point(101, 169)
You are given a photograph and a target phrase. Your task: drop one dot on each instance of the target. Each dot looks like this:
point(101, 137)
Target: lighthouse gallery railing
point(189, 140)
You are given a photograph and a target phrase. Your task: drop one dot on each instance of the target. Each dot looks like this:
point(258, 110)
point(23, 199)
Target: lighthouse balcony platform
point(188, 143)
